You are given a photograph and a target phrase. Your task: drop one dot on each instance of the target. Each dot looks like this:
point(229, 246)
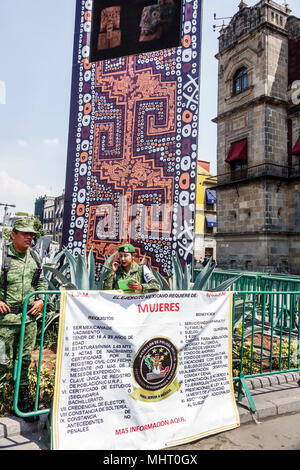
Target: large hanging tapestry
point(132, 154)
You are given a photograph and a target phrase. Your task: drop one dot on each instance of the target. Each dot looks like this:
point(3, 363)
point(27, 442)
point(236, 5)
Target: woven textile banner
point(132, 153)
point(142, 372)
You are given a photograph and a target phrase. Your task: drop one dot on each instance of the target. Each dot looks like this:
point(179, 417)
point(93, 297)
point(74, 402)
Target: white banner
point(142, 372)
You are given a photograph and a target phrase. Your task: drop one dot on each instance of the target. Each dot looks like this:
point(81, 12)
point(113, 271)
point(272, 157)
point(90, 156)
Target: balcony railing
point(259, 171)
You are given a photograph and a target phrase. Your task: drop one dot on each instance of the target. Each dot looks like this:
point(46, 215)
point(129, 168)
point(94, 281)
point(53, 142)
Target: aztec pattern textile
point(132, 155)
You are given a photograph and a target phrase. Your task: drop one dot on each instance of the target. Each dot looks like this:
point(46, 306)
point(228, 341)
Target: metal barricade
point(18, 363)
point(266, 336)
point(265, 339)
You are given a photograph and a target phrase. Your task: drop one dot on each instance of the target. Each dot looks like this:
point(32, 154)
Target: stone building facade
point(58, 218)
point(205, 217)
point(258, 151)
point(52, 210)
point(48, 215)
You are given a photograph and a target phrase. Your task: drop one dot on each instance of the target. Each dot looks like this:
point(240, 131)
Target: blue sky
point(36, 38)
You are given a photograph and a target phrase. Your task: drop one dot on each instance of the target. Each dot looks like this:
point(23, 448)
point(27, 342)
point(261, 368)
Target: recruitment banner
point(142, 372)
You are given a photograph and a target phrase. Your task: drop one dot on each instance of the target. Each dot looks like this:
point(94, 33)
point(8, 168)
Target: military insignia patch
point(154, 369)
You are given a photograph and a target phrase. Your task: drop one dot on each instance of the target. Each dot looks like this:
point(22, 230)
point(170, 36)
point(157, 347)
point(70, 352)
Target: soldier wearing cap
point(21, 274)
point(140, 278)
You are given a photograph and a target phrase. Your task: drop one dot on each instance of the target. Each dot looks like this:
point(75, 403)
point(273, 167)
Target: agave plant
point(75, 273)
point(180, 279)
point(79, 273)
point(51, 269)
point(163, 282)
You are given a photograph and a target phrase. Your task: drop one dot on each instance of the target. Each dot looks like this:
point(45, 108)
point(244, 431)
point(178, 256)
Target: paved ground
point(29, 442)
point(277, 401)
point(279, 433)
point(16, 434)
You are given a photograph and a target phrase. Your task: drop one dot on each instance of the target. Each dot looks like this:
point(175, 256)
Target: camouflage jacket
point(19, 283)
point(136, 273)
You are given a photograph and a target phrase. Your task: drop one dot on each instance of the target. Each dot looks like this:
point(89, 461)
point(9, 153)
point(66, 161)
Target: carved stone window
point(238, 169)
point(240, 81)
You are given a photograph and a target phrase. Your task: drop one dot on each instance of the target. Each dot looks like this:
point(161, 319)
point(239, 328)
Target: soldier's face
point(126, 260)
point(22, 240)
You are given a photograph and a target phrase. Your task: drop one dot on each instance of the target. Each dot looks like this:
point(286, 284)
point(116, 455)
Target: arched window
point(240, 81)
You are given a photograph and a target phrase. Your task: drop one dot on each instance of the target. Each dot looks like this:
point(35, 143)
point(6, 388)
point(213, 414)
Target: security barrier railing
point(18, 363)
point(254, 281)
point(266, 336)
point(265, 339)
point(248, 282)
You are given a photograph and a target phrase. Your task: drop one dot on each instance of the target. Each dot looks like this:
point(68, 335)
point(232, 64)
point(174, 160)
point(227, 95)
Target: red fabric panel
point(237, 151)
point(296, 149)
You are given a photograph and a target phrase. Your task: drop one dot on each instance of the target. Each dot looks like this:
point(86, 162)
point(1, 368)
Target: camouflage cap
point(127, 248)
point(26, 224)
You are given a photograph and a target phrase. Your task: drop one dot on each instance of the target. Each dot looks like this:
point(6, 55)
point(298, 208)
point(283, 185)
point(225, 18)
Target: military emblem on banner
point(154, 369)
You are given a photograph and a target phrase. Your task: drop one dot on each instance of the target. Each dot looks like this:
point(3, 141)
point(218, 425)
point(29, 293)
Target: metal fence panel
point(266, 334)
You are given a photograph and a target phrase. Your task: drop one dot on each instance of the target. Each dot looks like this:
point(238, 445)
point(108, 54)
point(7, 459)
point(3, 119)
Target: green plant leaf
point(143, 260)
point(186, 281)
point(201, 281)
point(109, 260)
point(81, 273)
point(224, 285)
point(91, 269)
point(51, 319)
point(69, 286)
point(56, 273)
point(72, 264)
point(54, 258)
point(64, 267)
point(51, 285)
point(164, 285)
point(106, 269)
point(177, 278)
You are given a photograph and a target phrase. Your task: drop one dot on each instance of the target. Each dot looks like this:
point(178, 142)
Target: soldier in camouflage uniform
point(140, 279)
point(23, 275)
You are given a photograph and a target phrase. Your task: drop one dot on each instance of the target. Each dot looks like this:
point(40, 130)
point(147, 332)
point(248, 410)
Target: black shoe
point(25, 406)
